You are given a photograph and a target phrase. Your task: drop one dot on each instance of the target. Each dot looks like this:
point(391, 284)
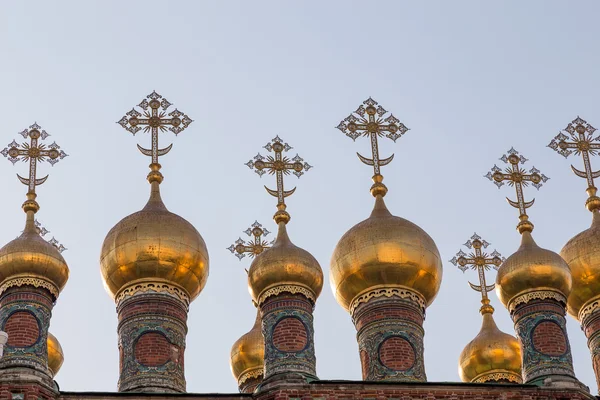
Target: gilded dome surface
point(492, 356)
point(532, 268)
point(30, 257)
point(248, 352)
point(154, 245)
point(385, 251)
point(582, 253)
point(284, 264)
point(55, 354)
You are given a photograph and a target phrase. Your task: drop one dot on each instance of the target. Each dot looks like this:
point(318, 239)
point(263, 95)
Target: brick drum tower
point(32, 274)
point(285, 281)
point(154, 263)
point(385, 270)
point(533, 284)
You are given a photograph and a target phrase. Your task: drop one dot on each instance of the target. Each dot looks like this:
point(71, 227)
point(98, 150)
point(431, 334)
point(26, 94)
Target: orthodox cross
point(518, 178)
point(480, 261)
point(279, 165)
point(34, 152)
point(154, 120)
point(253, 247)
point(582, 144)
point(373, 125)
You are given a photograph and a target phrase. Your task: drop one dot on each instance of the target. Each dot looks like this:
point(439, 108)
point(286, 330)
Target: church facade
point(385, 272)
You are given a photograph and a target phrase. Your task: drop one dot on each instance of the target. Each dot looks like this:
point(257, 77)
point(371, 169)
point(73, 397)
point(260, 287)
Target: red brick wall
point(397, 354)
point(29, 392)
point(290, 335)
point(22, 329)
point(152, 349)
point(169, 307)
point(548, 338)
point(387, 311)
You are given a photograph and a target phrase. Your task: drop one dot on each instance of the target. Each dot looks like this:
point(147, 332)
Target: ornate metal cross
point(480, 261)
point(154, 120)
point(279, 165)
point(583, 144)
point(372, 125)
point(253, 247)
point(518, 178)
point(43, 232)
point(33, 152)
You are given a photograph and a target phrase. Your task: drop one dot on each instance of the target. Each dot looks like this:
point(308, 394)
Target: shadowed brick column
point(390, 337)
point(25, 316)
point(541, 329)
point(590, 324)
point(287, 326)
point(152, 329)
point(25, 313)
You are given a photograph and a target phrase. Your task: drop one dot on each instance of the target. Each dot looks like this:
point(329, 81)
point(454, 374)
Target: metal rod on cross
point(480, 261)
point(154, 118)
point(279, 165)
point(33, 152)
point(585, 145)
point(368, 120)
point(517, 177)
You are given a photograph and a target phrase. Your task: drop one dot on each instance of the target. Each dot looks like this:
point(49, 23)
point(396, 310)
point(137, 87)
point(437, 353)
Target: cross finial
point(34, 152)
point(255, 246)
point(583, 143)
point(517, 177)
point(154, 118)
point(368, 120)
point(279, 165)
point(480, 261)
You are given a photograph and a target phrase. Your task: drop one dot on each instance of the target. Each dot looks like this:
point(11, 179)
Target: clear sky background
point(469, 78)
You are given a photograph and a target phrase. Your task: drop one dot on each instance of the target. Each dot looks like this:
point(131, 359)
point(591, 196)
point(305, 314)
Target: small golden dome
point(530, 269)
point(55, 354)
point(385, 251)
point(582, 253)
point(154, 246)
point(248, 354)
point(284, 264)
point(29, 259)
point(492, 356)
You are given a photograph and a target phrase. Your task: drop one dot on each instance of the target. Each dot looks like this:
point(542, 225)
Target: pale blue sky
point(469, 78)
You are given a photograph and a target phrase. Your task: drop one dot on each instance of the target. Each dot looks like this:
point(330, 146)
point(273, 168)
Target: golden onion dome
point(29, 259)
point(154, 246)
point(493, 356)
point(532, 269)
point(284, 265)
point(385, 251)
point(582, 254)
point(248, 354)
point(55, 354)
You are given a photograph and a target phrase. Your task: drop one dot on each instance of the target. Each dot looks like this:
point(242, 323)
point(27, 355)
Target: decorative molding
point(255, 373)
point(294, 289)
point(157, 287)
point(498, 376)
point(30, 281)
point(399, 291)
point(589, 308)
point(537, 295)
